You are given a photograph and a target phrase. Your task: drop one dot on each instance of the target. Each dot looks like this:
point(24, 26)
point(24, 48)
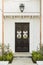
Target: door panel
point(22, 37)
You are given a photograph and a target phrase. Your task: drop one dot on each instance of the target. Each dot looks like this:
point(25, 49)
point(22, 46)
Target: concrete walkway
point(22, 61)
point(22, 58)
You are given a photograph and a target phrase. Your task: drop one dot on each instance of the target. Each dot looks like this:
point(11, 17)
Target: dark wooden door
point(21, 37)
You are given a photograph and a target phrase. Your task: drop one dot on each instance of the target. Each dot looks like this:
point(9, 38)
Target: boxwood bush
point(36, 56)
point(7, 54)
point(0, 58)
point(7, 57)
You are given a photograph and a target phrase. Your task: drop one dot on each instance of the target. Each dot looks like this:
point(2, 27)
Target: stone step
point(23, 61)
point(22, 64)
point(22, 54)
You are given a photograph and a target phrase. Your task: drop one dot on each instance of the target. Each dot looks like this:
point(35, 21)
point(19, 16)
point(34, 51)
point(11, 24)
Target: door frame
point(29, 33)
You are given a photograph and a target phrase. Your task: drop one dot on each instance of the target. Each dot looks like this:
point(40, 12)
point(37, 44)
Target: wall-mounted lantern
point(21, 7)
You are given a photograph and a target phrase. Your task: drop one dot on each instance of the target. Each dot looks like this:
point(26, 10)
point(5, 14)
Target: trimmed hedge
point(36, 56)
point(7, 57)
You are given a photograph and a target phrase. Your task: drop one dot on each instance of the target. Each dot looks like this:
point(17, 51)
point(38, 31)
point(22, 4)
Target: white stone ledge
point(21, 14)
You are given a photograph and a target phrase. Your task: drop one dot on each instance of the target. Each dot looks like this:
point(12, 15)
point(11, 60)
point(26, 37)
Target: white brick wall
point(0, 21)
point(0, 4)
point(34, 32)
point(9, 24)
point(42, 19)
point(30, 6)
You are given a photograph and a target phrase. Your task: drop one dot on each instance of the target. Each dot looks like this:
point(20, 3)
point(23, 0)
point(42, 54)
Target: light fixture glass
point(21, 7)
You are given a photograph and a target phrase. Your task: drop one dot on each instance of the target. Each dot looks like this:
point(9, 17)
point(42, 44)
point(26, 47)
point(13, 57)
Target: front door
point(21, 37)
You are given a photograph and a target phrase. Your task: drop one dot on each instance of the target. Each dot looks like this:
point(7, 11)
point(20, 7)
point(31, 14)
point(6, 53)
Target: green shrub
point(34, 53)
point(36, 56)
point(10, 53)
point(0, 58)
point(9, 57)
point(4, 57)
point(41, 50)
